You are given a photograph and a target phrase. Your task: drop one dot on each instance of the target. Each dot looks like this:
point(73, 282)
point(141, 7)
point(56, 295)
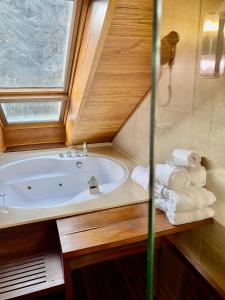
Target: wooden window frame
point(14, 99)
point(42, 94)
point(32, 135)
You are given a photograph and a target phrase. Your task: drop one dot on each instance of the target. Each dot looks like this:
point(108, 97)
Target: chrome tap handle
point(77, 154)
point(69, 154)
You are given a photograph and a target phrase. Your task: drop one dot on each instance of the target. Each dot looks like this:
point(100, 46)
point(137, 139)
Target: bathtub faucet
point(3, 208)
point(93, 185)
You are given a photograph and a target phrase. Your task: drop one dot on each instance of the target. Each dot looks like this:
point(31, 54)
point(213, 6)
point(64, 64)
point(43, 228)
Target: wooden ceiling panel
point(122, 75)
point(104, 115)
point(132, 18)
point(120, 81)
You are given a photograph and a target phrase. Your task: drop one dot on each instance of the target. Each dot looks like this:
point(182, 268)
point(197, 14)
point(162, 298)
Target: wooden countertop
point(111, 228)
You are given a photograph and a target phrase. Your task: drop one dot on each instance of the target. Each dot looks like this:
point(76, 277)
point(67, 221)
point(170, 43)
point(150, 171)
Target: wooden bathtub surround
point(31, 258)
point(113, 70)
point(104, 235)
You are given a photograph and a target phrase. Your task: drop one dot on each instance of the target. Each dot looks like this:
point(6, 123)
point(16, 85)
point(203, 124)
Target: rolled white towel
point(171, 176)
point(140, 175)
point(178, 218)
point(184, 200)
point(186, 156)
point(197, 175)
point(189, 217)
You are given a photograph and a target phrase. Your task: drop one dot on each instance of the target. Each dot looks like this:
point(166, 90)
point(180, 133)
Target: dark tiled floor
point(121, 279)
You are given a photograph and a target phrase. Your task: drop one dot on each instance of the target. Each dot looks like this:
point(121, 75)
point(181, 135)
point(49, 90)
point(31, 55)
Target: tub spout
point(93, 186)
point(3, 209)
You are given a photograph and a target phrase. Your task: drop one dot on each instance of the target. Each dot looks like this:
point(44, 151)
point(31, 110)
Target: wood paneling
point(104, 235)
point(111, 228)
point(2, 140)
point(121, 78)
point(35, 147)
point(34, 134)
point(97, 23)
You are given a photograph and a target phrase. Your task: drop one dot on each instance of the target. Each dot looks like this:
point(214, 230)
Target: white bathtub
point(51, 181)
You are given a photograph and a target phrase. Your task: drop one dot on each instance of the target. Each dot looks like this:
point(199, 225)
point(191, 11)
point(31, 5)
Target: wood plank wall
point(121, 79)
point(34, 134)
point(97, 23)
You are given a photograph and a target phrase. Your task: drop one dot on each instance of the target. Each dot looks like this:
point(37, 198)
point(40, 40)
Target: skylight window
point(30, 112)
point(35, 38)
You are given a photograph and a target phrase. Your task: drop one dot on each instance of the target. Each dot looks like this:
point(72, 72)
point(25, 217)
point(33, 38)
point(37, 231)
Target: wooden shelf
point(108, 234)
point(112, 228)
point(36, 268)
point(30, 261)
point(30, 275)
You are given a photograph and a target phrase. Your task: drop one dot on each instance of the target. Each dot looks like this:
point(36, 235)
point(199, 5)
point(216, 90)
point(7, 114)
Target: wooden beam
point(122, 76)
point(2, 140)
point(97, 24)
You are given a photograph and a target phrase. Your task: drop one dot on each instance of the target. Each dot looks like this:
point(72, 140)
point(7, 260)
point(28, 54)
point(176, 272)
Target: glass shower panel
point(190, 115)
point(151, 209)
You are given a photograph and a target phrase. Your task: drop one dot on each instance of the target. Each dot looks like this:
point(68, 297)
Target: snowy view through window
point(34, 38)
point(32, 111)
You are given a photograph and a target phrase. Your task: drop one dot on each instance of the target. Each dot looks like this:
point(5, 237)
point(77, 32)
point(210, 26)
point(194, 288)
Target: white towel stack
point(179, 190)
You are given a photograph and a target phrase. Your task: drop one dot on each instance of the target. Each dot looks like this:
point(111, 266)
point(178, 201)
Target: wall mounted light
point(212, 60)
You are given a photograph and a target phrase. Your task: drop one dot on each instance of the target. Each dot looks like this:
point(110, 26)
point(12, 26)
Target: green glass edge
point(155, 72)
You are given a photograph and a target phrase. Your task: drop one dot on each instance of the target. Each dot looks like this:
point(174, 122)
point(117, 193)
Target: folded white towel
point(171, 176)
point(197, 175)
point(140, 175)
point(186, 156)
point(184, 200)
point(189, 217)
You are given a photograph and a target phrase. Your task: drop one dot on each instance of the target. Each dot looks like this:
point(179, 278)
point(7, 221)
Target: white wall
point(133, 138)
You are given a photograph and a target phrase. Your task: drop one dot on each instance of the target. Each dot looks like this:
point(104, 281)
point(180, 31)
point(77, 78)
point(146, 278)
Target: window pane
point(34, 42)
point(22, 112)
